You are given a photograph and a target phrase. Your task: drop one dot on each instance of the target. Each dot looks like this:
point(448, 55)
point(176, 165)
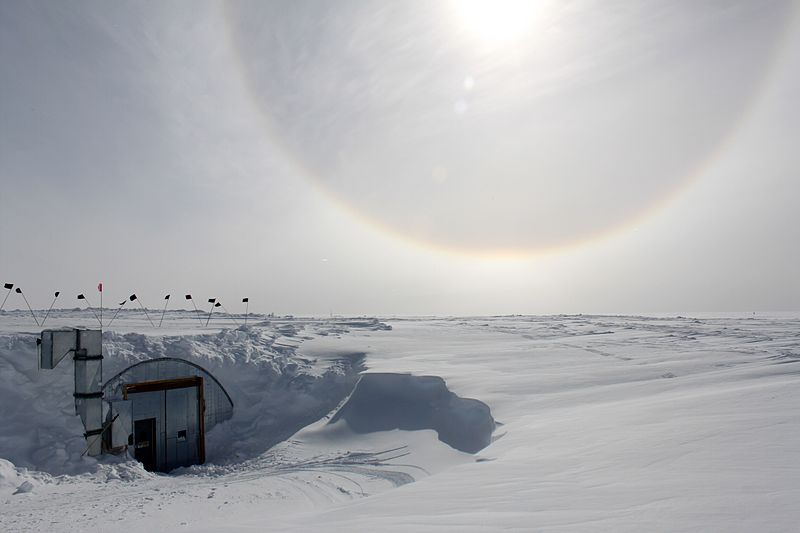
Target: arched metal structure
point(162, 409)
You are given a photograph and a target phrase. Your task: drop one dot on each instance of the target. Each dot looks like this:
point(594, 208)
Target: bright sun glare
point(496, 22)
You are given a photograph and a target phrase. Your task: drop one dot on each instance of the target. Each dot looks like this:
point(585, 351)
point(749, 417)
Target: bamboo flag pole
point(166, 302)
point(89, 305)
point(228, 312)
point(134, 298)
point(214, 303)
point(113, 318)
point(19, 291)
point(196, 310)
point(51, 308)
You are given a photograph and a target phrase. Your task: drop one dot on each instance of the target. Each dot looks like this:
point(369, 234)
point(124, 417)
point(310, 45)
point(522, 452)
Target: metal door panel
point(151, 405)
point(145, 443)
point(122, 426)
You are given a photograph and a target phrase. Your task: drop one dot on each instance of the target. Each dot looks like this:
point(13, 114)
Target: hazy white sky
point(403, 157)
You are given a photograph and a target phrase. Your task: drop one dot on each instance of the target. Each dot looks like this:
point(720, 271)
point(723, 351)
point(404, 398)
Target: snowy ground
point(604, 423)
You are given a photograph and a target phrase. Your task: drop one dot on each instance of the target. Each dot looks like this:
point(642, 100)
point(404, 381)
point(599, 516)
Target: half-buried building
point(158, 410)
point(162, 409)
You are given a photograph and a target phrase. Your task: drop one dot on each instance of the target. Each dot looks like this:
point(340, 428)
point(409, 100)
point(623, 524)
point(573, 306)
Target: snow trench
point(276, 392)
point(382, 402)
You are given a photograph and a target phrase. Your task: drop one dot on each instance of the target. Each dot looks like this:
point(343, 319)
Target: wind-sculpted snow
point(382, 402)
point(276, 392)
point(613, 423)
point(38, 426)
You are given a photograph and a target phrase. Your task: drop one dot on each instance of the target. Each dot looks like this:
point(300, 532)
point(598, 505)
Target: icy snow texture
point(609, 423)
point(275, 391)
point(38, 425)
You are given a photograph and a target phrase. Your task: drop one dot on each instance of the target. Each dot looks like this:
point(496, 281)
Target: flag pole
point(196, 310)
point(51, 307)
point(100, 288)
point(213, 302)
point(246, 309)
point(89, 305)
point(229, 313)
point(7, 286)
point(19, 291)
point(113, 318)
point(133, 298)
point(166, 302)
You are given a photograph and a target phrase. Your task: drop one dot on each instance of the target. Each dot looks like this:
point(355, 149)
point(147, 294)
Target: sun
point(496, 22)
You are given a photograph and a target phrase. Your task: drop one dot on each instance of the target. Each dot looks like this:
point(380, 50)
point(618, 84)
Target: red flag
point(100, 286)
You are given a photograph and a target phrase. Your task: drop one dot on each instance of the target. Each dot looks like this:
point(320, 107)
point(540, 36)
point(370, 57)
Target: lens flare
point(496, 22)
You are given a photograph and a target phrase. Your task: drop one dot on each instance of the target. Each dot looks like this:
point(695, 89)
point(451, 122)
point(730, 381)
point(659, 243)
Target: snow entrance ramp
point(382, 402)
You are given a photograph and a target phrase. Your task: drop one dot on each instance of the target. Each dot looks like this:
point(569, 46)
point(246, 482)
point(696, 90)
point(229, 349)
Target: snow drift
point(276, 392)
point(276, 389)
point(618, 423)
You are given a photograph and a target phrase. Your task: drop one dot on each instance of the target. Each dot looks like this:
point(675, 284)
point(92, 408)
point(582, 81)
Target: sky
point(403, 158)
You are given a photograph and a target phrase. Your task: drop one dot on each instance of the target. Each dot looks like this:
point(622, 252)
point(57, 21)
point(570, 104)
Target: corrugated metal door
point(151, 405)
point(181, 427)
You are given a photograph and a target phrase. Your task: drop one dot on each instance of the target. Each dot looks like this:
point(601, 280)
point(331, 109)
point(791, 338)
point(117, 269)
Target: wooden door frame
point(177, 383)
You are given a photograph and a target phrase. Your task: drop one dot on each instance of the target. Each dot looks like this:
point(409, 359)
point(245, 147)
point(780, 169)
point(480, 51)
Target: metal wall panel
point(91, 412)
point(219, 406)
point(182, 427)
point(123, 424)
point(91, 340)
point(88, 375)
point(56, 344)
point(151, 405)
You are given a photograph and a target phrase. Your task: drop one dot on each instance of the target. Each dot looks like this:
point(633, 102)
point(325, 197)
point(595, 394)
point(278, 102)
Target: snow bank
point(40, 430)
point(275, 392)
point(10, 477)
point(609, 423)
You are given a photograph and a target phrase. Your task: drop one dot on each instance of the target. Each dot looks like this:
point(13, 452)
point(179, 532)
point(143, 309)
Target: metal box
point(56, 344)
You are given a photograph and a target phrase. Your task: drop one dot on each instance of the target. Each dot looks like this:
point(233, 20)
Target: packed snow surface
point(556, 423)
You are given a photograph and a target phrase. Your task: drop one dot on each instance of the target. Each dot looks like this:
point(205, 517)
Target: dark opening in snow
point(382, 402)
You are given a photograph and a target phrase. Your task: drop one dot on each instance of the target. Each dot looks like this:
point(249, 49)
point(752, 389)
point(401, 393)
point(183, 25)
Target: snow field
point(604, 423)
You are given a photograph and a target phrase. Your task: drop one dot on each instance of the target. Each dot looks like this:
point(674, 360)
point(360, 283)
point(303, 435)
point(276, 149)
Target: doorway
point(169, 422)
point(144, 442)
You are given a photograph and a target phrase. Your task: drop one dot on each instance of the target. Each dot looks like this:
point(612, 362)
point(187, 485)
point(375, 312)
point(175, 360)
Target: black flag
point(217, 304)
point(166, 297)
point(81, 297)
point(8, 286)
point(18, 290)
point(188, 296)
point(132, 297)
point(245, 300)
point(212, 300)
point(57, 293)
